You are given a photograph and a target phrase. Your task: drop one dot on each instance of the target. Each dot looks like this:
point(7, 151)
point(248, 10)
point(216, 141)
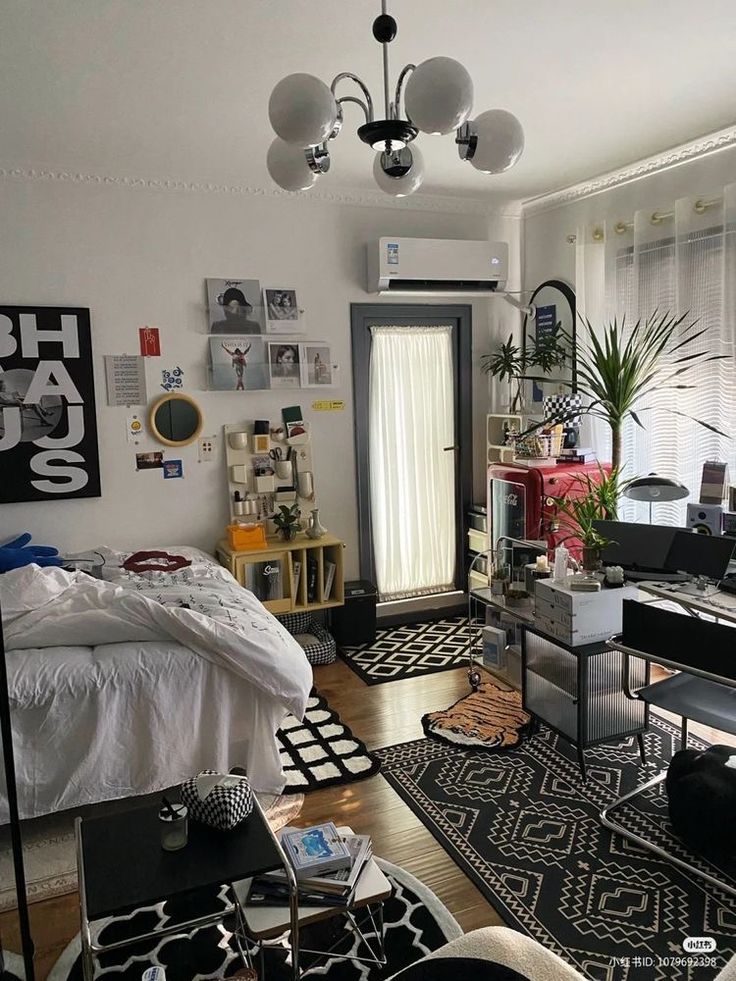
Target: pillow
point(701, 793)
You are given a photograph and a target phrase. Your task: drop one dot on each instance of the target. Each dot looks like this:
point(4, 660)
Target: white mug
point(284, 470)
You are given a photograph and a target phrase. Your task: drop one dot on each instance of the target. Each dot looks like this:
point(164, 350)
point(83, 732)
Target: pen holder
point(284, 470)
point(174, 827)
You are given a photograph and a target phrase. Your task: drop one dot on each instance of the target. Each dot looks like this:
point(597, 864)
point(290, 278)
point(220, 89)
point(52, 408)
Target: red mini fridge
point(520, 499)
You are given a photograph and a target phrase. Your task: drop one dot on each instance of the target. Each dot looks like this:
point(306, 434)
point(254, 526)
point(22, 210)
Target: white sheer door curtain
point(682, 260)
point(412, 476)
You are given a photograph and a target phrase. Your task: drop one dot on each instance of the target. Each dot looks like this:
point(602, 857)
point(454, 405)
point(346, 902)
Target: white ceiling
point(179, 88)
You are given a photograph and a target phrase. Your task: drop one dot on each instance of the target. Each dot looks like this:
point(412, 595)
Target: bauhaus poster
point(48, 426)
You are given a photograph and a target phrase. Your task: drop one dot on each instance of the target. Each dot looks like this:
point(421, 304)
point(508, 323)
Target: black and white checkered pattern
point(325, 650)
point(411, 650)
point(560, 407)
point(223, 808)
point(320, 751)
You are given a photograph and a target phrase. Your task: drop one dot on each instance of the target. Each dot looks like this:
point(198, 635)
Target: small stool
point(323, 649)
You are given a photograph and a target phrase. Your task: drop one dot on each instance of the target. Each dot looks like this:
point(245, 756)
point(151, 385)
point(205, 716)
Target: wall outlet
point(206, 447)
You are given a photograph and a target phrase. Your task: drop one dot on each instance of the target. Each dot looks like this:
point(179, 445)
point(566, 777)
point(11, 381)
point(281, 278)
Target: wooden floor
point(381, 715)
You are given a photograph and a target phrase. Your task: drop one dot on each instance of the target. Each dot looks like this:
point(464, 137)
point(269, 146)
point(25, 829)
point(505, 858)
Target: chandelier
point(306, 115)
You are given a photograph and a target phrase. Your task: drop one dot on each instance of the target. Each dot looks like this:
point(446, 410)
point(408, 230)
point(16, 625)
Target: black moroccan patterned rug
point(411, 650)
point(416, 922)
point(524, 827)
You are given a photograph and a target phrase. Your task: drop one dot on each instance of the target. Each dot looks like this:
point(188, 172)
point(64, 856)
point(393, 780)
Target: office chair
point(704, 691)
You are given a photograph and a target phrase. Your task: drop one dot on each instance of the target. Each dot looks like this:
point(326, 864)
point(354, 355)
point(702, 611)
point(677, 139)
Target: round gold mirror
point(175, 419)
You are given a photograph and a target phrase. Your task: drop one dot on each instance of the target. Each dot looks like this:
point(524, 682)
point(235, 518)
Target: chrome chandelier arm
point(358, 102)
point(361, 84)
point(399, 85)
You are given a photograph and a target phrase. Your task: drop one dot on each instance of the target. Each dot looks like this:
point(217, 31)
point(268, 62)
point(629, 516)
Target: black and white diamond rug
point(321, 751)
point(524, 827)
point(412, 650)
point(416, 923)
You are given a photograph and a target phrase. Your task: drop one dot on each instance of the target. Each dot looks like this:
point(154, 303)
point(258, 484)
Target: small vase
point(289, 534)
point(315, 529)
point(592, 560)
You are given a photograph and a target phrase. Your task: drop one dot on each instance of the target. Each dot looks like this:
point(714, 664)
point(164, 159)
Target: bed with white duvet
point(129, 684)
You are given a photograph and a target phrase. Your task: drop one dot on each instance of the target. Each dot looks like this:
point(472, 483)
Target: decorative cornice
point(341, 196)
point(723, 139)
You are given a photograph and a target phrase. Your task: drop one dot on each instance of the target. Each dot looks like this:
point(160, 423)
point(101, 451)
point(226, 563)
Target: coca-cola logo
point(512, 500)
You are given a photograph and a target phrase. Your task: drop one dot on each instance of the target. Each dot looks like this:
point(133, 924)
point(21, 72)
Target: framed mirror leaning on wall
point(175, 419)
point(554, 303)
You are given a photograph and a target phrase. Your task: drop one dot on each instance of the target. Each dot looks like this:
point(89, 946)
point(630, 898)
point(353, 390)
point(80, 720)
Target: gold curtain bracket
point(598, 234)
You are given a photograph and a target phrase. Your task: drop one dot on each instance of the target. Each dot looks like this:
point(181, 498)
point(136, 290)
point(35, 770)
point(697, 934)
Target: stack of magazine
point(327, 866)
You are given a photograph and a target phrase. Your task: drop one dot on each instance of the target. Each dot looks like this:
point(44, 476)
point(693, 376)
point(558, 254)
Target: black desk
point(122, 867)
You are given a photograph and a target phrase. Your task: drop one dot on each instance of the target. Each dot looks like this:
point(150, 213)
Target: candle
point(542, 564)
point(174, 827)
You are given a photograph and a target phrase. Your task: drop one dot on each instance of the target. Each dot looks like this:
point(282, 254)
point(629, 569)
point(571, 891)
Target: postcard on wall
point(315, 364)
point(283, 315)
point(239, 364)
point(234, 306)
point(283, 364)
point(149, 461)
point(125, 375)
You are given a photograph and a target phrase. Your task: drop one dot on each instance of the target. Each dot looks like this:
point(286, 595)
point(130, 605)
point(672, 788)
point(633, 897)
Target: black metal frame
point(569, 293)
point(6, 739)
point(365, 315)
point(583, 656)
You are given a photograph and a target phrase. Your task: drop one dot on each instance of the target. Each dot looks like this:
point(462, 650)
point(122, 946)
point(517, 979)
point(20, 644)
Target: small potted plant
point(499, 580)
point(597, 502)
point(286, 520)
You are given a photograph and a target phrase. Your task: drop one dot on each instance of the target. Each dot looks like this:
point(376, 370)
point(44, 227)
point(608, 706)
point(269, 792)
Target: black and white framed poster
point(48, 425)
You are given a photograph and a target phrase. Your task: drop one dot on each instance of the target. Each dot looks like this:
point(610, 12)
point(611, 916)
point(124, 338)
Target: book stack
point(578, 454)
point(327, 866)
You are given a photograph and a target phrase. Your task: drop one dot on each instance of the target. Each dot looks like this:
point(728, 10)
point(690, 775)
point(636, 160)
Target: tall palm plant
point(619, 368)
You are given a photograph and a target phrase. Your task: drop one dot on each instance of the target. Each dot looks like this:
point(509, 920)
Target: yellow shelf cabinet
point(280, 559)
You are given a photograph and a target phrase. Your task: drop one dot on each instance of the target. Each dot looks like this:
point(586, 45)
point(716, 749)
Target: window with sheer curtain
point(412, 477)
point(684, 264)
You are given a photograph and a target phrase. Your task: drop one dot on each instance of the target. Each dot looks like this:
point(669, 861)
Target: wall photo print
point(234, 306)
point(283, 362)
point(316, 365)
point(283, 315)
point(48, 425)
point(239, 364)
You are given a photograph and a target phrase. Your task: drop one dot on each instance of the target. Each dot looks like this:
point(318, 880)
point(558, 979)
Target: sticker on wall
point(134, 429)
point(125, 375)
point(150, 342)
point(328, 405)
point(149, 461)
point(173, 468)
point(172, 380)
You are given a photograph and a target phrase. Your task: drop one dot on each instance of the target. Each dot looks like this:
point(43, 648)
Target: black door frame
point(362, 317)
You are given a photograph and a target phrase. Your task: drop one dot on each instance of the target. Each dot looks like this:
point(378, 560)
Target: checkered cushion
point(559, 406)
point(223, 807)
point(324, 651)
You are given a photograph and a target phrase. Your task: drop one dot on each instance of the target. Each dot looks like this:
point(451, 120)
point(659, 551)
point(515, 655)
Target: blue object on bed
point(18, 552)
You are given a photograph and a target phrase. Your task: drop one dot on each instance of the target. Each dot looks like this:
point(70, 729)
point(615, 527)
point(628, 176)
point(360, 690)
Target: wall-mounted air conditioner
point(436, 266)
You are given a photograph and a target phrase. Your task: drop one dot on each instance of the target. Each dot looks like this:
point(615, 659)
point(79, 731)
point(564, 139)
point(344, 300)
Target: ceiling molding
point(340, 196)
point(723, 139)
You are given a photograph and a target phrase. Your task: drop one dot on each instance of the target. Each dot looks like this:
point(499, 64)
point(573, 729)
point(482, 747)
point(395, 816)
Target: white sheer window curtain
point(683, 264)
point(411, 421)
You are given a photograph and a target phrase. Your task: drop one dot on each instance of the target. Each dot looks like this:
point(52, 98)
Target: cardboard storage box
point(578, 618)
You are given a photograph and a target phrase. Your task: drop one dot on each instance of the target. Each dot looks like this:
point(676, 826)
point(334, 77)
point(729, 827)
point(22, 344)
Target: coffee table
point(263, 926)
point(122, 867)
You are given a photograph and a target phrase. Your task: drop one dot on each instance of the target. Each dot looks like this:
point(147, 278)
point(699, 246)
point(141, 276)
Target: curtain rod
point(656, 218)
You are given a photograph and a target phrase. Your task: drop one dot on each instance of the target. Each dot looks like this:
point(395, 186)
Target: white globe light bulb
point(499, 141)
point(288, 166)
point(302, 110)
point(439, 95)
point(401, 172)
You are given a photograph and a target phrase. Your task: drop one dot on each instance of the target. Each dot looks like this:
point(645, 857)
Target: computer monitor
point(700, 555)
point(636, 547)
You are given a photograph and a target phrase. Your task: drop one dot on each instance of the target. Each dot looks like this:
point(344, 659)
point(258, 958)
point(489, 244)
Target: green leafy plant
point(619, 367)
point(597, 501)
point(511, 363)
point(286, 520)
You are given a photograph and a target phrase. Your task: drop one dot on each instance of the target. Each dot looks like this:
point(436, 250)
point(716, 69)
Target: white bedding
point(118, 689)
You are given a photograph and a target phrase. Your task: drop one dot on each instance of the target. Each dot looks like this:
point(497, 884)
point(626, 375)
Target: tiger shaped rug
point(489, 718)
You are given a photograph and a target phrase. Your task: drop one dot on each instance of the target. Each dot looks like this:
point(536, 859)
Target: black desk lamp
point(655, 489)
point(6, 739)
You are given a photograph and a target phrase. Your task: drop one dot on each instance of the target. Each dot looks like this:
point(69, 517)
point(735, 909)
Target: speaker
point(705, 519)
